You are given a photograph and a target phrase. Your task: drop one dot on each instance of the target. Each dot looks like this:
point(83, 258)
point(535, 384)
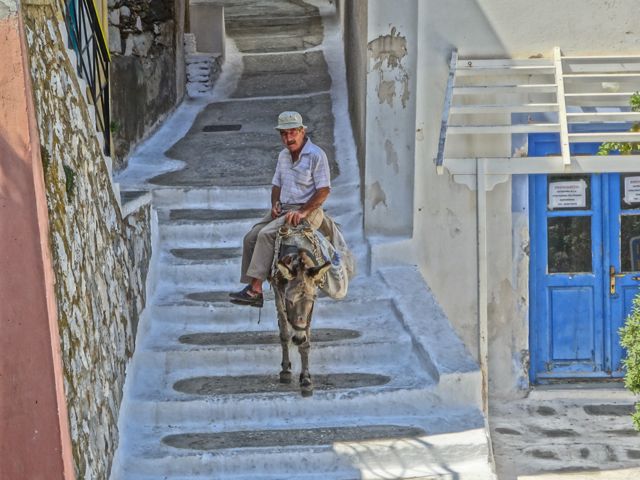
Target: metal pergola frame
point(578, 90)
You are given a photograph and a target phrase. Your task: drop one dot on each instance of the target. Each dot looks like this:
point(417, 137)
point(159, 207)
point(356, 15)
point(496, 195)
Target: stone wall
point(100, 260)
point(147, 67)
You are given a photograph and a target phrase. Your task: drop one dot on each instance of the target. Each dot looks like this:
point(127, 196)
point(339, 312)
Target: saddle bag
point(336, 281)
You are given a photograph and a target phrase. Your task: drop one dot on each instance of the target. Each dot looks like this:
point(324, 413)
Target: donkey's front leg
point(306, 384)
point(285, 373)
point(283, 325)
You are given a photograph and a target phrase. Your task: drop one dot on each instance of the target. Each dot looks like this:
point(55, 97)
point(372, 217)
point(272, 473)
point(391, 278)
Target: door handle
point(612, 279)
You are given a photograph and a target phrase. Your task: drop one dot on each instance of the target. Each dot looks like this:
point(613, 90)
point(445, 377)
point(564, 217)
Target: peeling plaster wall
point(392, 53)
point(444, 239)
point(147, 67)
point(100, 260)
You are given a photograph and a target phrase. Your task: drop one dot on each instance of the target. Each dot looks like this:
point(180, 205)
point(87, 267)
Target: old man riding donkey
point(300, 185)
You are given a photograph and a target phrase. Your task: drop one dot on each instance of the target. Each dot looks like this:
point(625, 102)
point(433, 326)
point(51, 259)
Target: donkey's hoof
point(285, 377)
point(306, 385)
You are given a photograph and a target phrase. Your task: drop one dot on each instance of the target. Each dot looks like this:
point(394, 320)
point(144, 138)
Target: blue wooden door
point(623, 250)
point(583, 270)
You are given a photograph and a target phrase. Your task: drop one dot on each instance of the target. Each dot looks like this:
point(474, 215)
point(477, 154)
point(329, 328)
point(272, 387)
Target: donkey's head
point(302, 277)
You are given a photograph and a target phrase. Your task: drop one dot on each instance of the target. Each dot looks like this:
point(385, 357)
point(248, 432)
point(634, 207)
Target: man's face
point(293, 138)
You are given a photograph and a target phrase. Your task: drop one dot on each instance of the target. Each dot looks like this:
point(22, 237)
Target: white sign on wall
point(568, 194)
point(631, 190)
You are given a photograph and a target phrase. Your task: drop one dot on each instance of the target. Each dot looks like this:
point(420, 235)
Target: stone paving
point(578, 432)
point(396, 392)
point(245, 157)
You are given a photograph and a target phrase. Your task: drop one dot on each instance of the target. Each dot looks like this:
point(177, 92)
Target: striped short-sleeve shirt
point(299, 181)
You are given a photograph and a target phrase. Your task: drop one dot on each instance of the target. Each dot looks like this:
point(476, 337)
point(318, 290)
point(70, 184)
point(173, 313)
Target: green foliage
point(630, 339)
point(635, 102)
point(114, 126)
point(46, 159)
point(70, 180)
point(621, 147)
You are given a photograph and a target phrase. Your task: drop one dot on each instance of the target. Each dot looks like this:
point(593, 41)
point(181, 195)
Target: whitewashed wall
point(415, 216)
point(390, 117)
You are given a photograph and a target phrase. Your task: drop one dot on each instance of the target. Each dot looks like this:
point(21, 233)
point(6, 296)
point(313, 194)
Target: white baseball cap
point(287, 120)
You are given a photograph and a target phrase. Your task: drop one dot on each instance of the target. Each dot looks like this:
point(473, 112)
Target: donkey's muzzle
point(299, 339)
point(299, 325)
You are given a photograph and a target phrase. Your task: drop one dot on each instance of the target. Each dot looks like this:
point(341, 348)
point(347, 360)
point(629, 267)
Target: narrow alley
point(395, 397)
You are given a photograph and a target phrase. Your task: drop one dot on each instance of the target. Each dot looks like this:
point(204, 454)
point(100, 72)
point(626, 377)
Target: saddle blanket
point(336, 281)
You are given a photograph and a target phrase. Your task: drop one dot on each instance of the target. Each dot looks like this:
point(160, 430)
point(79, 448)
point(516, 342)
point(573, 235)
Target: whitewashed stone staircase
point(202, 68)
point(401, 379)
point(397, 394)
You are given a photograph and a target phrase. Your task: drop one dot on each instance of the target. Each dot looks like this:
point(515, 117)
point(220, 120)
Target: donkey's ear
point(284, 270)
point(316, 273)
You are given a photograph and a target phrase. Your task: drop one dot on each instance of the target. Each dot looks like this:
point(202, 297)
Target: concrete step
point(292, 39)
point(222, 273)
point(190, 228)
point(344, 194)
point(581, 474)
point(372, 338)
point(253, 338)
point(362, 288)
point(225, 317)
point(338, 391)
point(212, 197)
point(201, 227)
point(373, 321)
point(262, 25)
point(239, 9)
point(219, 273)
point(264, 75)
point(265, 359)
point(188, 256)
point(387, 447)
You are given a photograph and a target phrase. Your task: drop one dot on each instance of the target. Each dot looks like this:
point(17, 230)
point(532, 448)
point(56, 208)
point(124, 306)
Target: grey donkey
point(295, 283)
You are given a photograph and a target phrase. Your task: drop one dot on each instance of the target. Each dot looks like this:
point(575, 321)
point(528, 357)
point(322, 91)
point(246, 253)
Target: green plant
point(630, 339)
point(46, 159)
point(625, 148)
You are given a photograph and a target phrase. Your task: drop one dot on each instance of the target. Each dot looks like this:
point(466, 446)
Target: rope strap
point(285, 233)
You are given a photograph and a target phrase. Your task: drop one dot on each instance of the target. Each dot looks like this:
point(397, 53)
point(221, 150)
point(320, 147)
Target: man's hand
point(294, 217)
point(276, 210)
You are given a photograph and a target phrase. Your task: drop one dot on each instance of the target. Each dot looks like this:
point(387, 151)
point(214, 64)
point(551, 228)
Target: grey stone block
point(141, 43)
point(115, 42)
point(189, 43)
point(164, 33)
point(114, 17)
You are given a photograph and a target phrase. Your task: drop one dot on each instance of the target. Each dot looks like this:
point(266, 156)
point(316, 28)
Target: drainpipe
point(483, 329)
point(483, 283)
